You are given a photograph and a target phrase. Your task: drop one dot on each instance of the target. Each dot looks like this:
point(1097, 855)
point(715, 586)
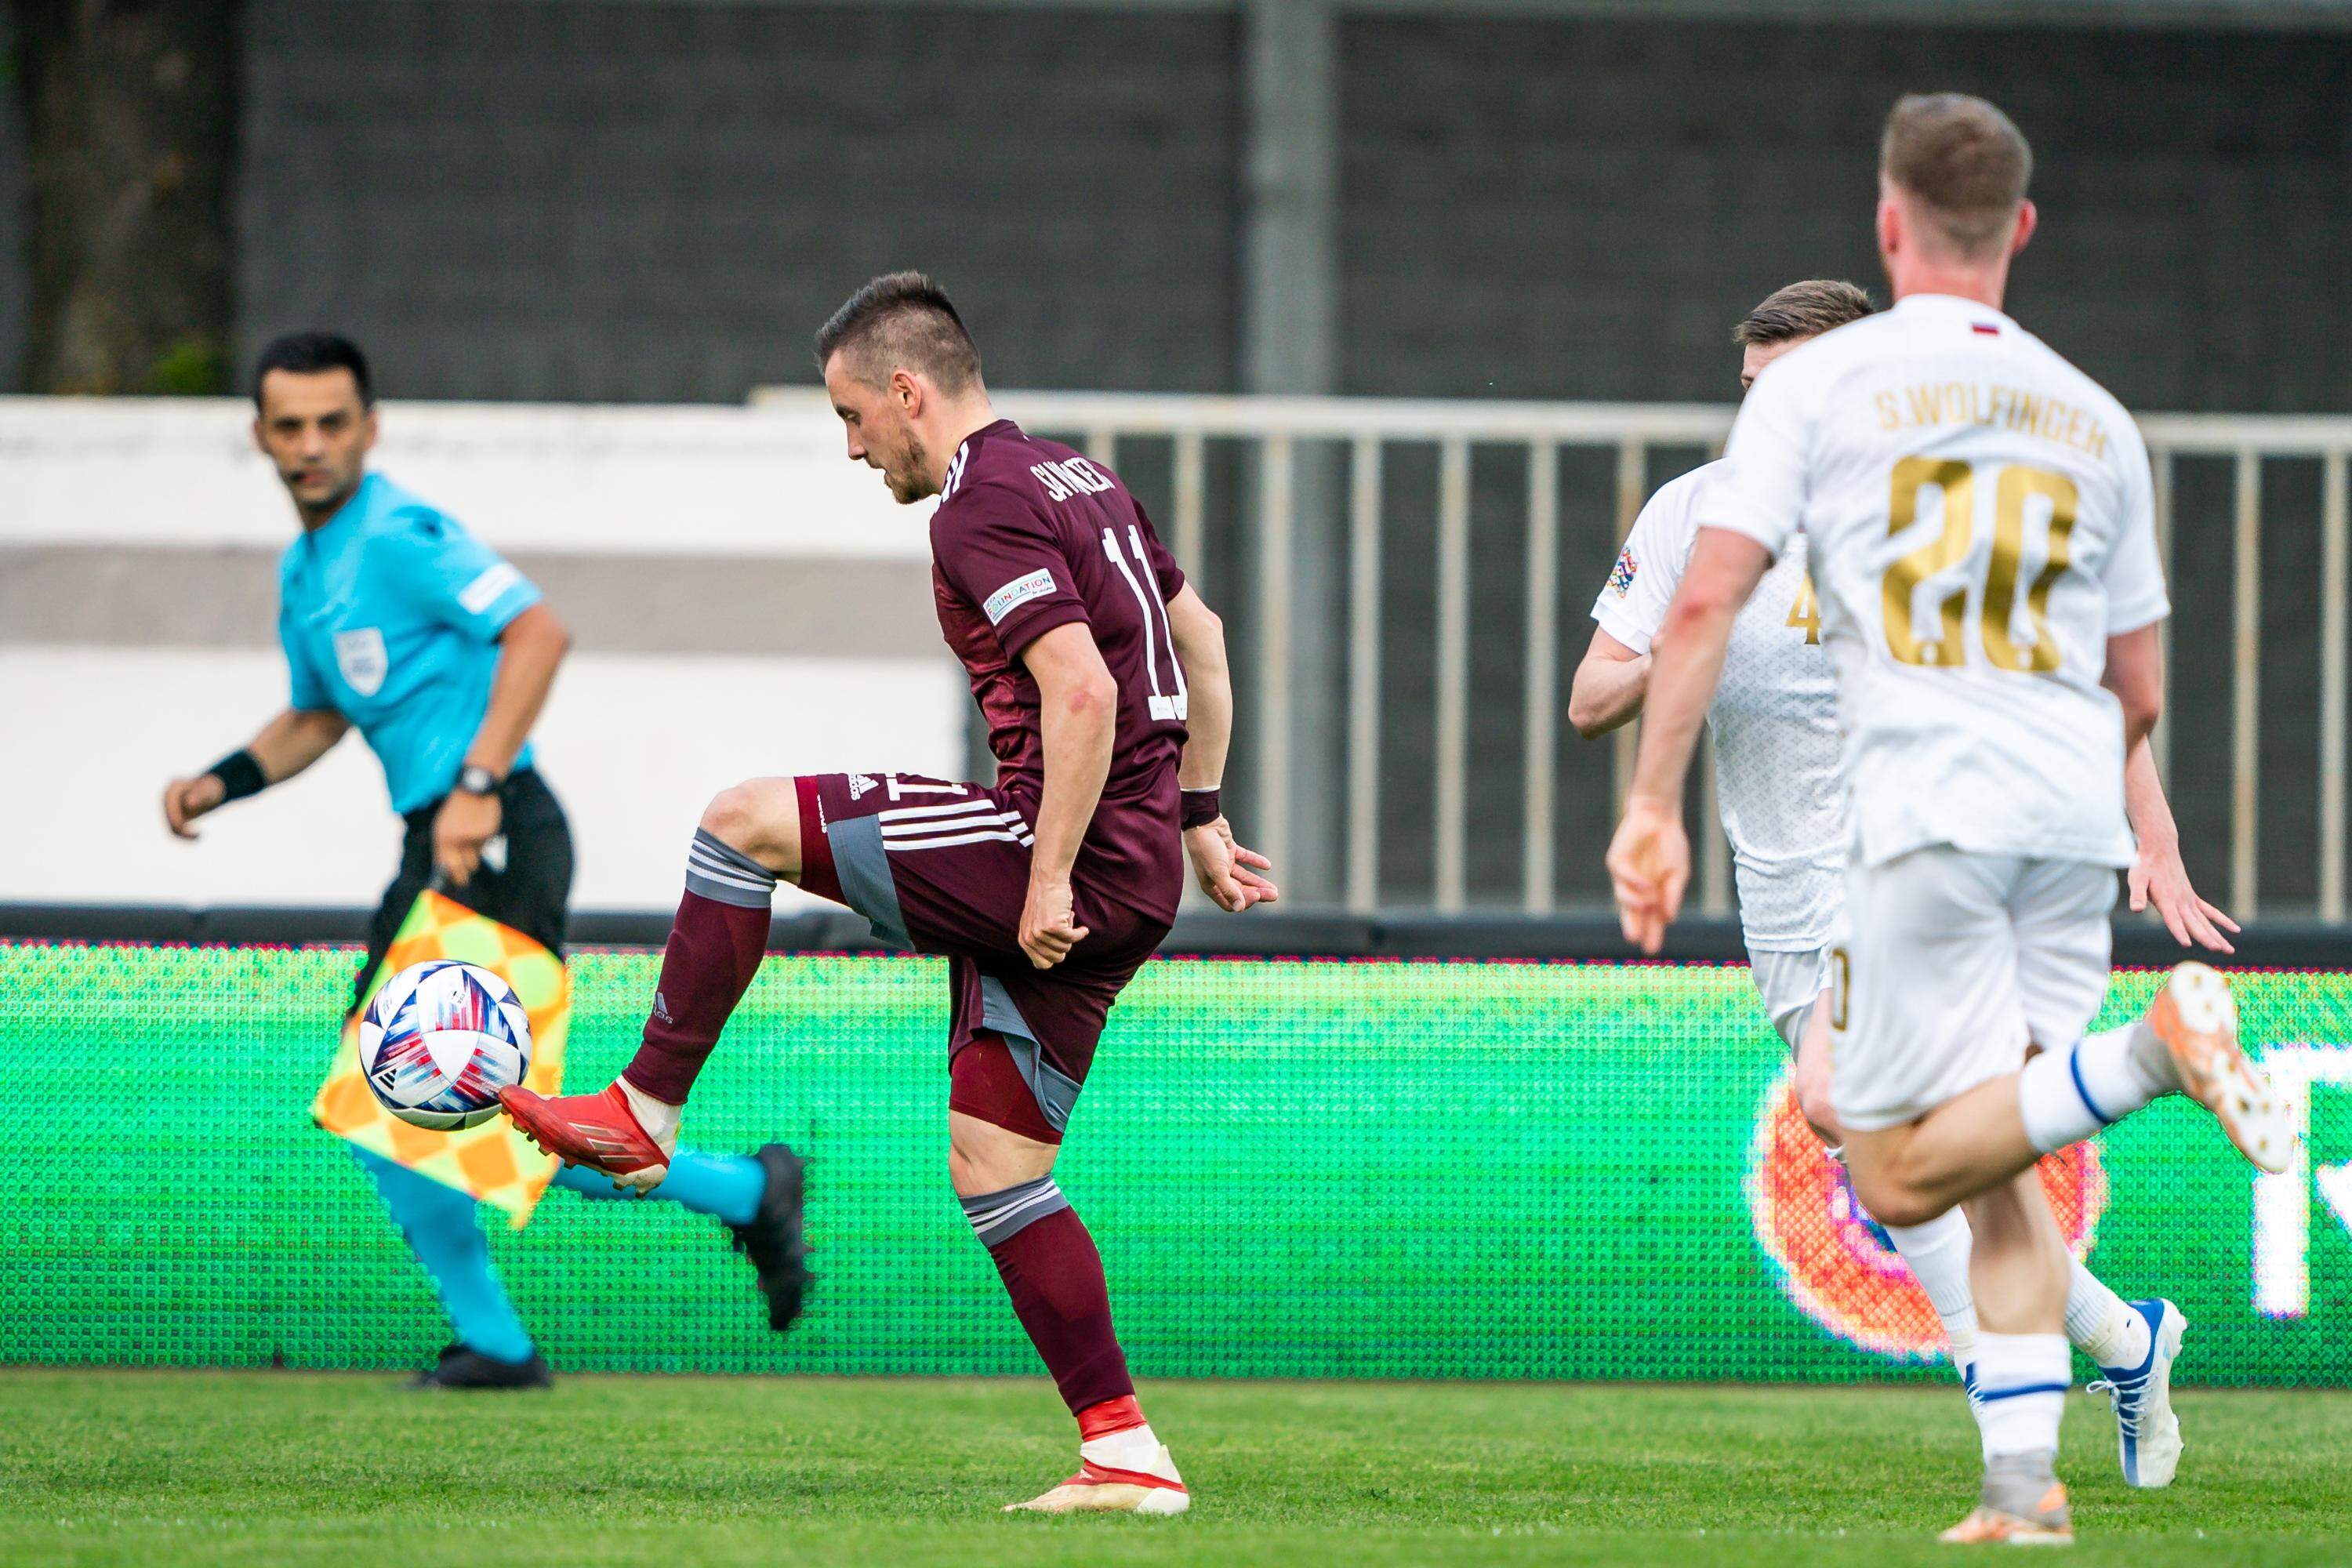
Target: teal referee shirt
point(390, 613)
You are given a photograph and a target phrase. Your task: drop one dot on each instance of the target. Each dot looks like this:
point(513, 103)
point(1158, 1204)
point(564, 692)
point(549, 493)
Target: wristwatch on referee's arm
point(476, 779)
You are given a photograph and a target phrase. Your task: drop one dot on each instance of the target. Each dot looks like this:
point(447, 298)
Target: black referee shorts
point(531, 892)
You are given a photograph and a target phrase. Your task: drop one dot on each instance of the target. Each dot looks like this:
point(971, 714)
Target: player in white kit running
point(1983, 543)
point(1773, 722)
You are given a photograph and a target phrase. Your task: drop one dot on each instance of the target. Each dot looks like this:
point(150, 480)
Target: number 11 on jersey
point(1173, 701)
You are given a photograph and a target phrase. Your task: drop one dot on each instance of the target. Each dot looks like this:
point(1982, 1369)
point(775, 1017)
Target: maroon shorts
point(943, 868)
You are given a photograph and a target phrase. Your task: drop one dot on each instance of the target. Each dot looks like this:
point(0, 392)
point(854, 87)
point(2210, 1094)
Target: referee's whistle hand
point(464, 824)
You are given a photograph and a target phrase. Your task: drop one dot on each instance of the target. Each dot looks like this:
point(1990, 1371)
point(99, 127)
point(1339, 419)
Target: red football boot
point(598, 1130)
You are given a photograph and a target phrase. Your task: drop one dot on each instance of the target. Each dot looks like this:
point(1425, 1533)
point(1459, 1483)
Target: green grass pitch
point(160, 1468)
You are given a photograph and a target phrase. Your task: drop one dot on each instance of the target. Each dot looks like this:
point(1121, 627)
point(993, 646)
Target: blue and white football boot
point(2147, 1429)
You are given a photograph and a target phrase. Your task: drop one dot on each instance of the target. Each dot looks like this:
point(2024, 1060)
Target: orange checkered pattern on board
point(493, 1161)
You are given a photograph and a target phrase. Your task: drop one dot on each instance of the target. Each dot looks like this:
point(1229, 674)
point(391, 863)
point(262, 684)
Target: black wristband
point(1201, 808)
point(239, 774)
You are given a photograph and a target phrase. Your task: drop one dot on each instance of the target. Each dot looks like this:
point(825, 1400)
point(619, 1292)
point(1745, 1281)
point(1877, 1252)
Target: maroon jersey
point(1030, 535)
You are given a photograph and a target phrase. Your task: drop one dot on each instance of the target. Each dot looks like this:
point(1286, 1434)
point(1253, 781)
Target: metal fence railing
point(2246, 441)
point(1271, 430)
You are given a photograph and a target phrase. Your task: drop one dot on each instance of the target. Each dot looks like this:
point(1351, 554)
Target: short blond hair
point(1964, 161)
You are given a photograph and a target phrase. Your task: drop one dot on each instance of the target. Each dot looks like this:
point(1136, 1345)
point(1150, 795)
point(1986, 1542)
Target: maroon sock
point(714, 950)
point(1055, 1277)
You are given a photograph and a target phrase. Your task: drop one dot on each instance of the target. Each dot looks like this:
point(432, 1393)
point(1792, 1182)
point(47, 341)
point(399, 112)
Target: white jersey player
point(1983, 541)
point(1774, 725)
point(1773, 722)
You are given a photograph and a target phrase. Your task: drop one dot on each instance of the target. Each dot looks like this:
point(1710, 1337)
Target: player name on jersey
point(1921, 407)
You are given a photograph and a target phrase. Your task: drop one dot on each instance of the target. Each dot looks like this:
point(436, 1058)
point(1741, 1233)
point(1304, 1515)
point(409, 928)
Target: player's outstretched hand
point(1049, 928)
point(464, 824)
point(1227, 872)
point(2158, 876)
point(185, 800)
point(1649, 866)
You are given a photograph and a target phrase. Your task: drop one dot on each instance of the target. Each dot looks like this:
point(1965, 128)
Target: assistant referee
point(395, 619)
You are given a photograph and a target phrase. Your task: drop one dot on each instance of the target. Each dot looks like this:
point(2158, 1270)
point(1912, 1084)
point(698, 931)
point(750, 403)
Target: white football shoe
point(1103, 1488)
point(2147, 1431)
point(2196, 1020)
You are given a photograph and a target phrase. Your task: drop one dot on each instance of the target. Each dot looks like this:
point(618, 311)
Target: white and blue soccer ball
point(440, 1040)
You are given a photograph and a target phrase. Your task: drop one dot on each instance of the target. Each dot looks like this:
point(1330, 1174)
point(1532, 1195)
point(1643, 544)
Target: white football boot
point(2195, 1019)
point(2147, 1431)
point(1101, 1488)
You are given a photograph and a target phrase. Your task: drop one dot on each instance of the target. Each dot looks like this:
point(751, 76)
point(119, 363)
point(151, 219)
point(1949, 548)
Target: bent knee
point(1898, 1203)
point(761, 817)
point(979, 1166)
point(1912, 1210)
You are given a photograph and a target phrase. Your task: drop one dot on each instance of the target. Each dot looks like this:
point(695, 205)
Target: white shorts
point(1790, 982)
point(1950, 964)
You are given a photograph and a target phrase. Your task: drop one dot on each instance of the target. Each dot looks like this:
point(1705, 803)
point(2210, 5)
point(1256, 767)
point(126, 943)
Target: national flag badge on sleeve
point(493, 1163)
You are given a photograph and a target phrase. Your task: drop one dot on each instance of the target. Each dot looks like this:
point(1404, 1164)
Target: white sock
point(2022, 1383)
point(1133, 1449)
point(657, 1117)
point(2066, 1096)
point(2102, 1324)
point(1938, 1253)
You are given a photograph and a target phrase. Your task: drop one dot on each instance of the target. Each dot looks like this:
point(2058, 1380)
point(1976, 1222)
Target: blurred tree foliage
point(129, 111)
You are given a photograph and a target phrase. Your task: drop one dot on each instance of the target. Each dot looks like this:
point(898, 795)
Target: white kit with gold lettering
point(1774, 727)
point(1980, 522)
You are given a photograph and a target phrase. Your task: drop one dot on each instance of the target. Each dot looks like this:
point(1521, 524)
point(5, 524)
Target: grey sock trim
point(718, 871)
point(997, 1217)
point(2016, 1483)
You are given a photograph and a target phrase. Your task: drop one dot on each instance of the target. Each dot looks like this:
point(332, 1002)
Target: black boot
point(773, 1240)
point(461, 1368)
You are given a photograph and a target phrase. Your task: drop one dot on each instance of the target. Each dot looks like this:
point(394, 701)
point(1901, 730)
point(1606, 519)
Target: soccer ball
point(440, 1040)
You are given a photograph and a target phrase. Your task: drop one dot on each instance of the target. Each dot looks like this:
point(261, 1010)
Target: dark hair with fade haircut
point(902, 320)
point(310, 352)
point(1965, 160)
point(1804, 309)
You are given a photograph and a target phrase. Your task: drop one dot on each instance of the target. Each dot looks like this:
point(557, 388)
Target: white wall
point(634, 742)
point(598, 480)
point(633, 746)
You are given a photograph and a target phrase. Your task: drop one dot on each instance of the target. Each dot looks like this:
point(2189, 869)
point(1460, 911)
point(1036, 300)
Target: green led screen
point(1293, 1168)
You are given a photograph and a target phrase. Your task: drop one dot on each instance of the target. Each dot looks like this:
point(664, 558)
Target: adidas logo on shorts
point(859, 784)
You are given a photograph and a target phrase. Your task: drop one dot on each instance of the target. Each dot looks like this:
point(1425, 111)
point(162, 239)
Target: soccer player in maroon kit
point(1102, 676)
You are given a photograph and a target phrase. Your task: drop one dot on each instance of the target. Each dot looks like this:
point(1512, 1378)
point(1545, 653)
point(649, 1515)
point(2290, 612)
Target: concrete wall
point(16, 235)
point(1582, 208)
point(647, 201)
point(656, 202)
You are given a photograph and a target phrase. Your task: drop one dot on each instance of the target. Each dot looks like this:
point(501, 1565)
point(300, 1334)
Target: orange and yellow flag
point(494, 1163)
